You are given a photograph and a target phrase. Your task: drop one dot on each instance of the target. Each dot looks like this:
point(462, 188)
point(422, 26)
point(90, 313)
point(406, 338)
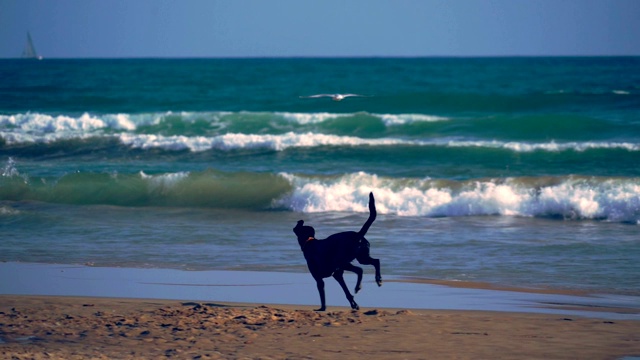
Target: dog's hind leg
point(365, 259)
point(358, 271)
point(320, 285)
point(340, 279)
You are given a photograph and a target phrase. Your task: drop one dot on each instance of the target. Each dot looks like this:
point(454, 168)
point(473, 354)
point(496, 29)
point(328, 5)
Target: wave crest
point(234, 141)
point(570, 197)
point(567, 197)
point(45, 123)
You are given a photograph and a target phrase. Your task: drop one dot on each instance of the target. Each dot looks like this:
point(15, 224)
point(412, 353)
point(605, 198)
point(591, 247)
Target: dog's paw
point(379, 281)
point(321, 309)
point(358, 288)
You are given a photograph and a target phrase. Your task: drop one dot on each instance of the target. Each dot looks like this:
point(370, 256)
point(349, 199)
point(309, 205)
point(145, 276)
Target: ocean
point(511, 171)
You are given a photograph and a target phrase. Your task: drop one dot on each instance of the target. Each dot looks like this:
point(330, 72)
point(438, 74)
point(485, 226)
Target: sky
point(310, 28)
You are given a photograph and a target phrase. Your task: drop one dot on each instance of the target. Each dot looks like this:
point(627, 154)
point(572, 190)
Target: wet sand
point(81, 312)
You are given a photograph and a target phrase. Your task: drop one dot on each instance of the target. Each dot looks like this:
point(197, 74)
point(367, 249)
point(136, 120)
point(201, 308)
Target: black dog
point(333, 255)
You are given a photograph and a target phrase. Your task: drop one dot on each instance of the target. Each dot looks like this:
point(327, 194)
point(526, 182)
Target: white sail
point(29, 51)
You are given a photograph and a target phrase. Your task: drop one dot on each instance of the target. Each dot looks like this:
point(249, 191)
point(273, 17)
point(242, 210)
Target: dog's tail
point(372, 216)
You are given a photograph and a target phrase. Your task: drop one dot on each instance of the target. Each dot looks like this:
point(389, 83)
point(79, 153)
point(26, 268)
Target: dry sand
point(41, 327)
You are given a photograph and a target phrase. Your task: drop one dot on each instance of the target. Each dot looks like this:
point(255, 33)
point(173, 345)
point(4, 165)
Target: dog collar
point(306, 242)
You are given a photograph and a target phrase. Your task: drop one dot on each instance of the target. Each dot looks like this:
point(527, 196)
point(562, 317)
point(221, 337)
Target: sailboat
point(29, 51)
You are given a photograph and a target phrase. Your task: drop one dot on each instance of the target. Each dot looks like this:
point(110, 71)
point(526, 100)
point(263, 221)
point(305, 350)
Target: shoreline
point(77, 312)
point(482, 285)
point(278, 288)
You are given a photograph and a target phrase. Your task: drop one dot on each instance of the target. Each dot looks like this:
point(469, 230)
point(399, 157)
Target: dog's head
point(303, 232)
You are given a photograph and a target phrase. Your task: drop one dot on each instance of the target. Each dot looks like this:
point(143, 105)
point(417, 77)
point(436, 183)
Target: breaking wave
point(290, 140)
point(278, 131)
point(46, 123)
point(566, 197)
point(281, 142)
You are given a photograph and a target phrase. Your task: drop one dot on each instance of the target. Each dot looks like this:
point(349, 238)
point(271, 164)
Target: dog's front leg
point(320, 284)
point(340, 279)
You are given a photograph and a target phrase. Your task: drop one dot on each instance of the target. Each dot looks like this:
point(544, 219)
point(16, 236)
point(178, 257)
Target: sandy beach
point(81, 312)
point(41, 327)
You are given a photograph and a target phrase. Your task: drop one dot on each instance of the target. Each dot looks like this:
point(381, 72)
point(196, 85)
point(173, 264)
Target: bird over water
point(334, 97)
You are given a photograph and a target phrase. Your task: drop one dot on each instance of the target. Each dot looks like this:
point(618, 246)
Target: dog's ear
point(304, 232)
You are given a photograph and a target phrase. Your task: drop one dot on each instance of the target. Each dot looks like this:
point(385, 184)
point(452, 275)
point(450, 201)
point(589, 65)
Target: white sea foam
point(42, 123)
point(7, 211)
point(310, 118)
point(39, 124)
point(550, 146)
point(612, 200)
point(164, 182)
point(144, 141)
point(234, 141)
point(247, 141)
point(12, 138)
point(9, 170)
point(42, 128)
point(281, 142)
point(388, 119)
point(402, 119)
point(120, 121)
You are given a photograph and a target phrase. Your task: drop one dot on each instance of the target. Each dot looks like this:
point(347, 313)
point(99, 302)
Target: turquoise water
point(519, 171)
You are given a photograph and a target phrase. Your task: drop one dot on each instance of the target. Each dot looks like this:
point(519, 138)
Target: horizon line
point(320, 57)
